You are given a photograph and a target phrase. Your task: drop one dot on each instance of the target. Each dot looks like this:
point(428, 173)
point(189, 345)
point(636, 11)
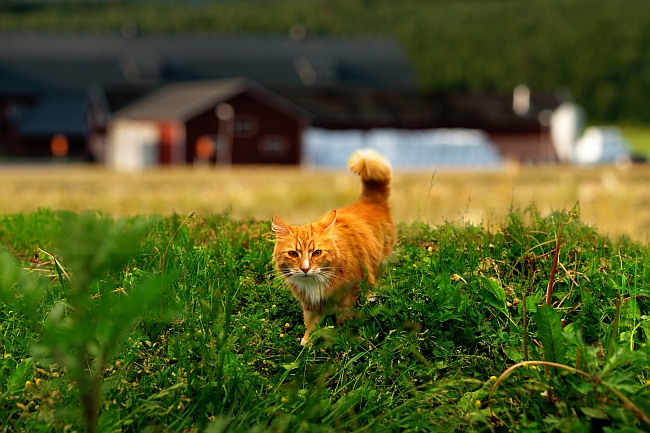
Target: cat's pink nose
point(305, 269)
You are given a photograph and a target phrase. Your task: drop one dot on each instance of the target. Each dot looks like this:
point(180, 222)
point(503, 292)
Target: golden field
point(615, 201)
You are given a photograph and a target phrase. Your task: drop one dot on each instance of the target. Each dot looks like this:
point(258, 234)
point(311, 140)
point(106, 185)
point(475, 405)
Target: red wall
point(248, 147)
point(531, 148)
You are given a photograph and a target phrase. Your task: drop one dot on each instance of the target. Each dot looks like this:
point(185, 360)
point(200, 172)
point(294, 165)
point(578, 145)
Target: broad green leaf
point(494, 295)
point(594, 413)
point(18, 378)
point(9, 273)
point(468, 402)
point(549, 331)
point(532, 301)
point(291, 366)
point(513, 354)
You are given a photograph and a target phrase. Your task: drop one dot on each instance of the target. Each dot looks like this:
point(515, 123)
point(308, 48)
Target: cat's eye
point(293, 254)
point(316, 253)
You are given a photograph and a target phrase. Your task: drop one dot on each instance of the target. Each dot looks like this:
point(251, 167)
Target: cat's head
point(306, 255)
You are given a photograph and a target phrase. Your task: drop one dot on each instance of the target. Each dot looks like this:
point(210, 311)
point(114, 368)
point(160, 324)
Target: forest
point(597, 50)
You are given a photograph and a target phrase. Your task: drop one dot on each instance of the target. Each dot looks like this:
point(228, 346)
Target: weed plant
point(178, 324)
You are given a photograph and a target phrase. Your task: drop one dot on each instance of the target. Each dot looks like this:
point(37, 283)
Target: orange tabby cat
point(325, 261)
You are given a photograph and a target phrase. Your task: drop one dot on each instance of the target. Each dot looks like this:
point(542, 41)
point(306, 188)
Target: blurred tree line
point(598, 50)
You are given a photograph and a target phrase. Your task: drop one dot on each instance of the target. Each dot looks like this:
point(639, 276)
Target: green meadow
point(532, 320)
point(179, 324)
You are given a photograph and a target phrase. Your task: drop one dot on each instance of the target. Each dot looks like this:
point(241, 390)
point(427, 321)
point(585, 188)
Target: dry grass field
point(615, 201)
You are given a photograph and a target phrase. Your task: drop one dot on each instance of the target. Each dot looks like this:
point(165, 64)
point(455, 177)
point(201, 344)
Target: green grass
point(638, 137)
point(178, 324)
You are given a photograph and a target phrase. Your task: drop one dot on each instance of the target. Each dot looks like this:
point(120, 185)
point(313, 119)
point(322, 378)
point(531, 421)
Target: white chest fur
point(312, 285)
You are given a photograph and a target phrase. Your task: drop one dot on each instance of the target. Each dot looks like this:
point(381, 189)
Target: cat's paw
point(303, 341)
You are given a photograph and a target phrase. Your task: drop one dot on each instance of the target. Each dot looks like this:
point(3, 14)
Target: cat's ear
point(328, 220)
point(279, 227)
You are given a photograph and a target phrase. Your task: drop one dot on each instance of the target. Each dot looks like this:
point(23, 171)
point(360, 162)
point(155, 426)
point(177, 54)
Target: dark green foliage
point(87, 324)
point(178, 324)
point(597, 50)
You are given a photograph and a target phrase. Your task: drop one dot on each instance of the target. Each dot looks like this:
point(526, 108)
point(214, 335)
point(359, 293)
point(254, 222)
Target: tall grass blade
point(556, 256)
point(617, 317)
point(525, 326)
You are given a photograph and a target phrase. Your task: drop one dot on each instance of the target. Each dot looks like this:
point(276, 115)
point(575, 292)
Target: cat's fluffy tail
point(375, 173)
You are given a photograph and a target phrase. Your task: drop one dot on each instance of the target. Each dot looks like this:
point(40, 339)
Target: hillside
point(596, 49)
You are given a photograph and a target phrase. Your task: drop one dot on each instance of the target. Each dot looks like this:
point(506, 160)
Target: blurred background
point(509, 102)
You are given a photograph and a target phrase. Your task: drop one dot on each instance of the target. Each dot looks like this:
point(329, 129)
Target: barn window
point(245, 125)
point(273, 146)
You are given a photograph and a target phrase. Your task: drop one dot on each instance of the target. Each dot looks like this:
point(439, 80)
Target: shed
point(232, 121)
point(518, 126)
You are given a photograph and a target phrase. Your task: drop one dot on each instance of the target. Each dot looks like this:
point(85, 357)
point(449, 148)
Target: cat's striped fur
point(324, 262)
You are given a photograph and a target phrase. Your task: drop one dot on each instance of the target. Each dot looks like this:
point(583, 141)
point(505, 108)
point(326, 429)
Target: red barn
point(233, 121)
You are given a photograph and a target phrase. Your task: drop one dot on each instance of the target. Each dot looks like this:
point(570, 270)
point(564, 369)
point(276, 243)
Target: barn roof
point(339, 108)
point(51, 68)
point(73, 61)
point(182, 101)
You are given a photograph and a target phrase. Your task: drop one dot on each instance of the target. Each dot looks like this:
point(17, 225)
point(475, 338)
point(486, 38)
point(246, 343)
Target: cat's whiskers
point(272, 275)
point(316, 280)
point(331, 273)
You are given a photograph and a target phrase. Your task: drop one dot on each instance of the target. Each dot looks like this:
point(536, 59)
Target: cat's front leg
point(346, 305)
point(312, 318)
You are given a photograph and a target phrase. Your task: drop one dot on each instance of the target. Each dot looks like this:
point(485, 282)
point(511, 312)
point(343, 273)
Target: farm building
point(522, 136)
point(227, 122)
point(67, 87)
point(417, 129)
point(69, 84)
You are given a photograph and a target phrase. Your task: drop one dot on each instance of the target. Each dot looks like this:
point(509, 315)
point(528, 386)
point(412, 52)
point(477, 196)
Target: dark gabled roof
point(182, 101)
point(73, 61)
point(338, 108)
